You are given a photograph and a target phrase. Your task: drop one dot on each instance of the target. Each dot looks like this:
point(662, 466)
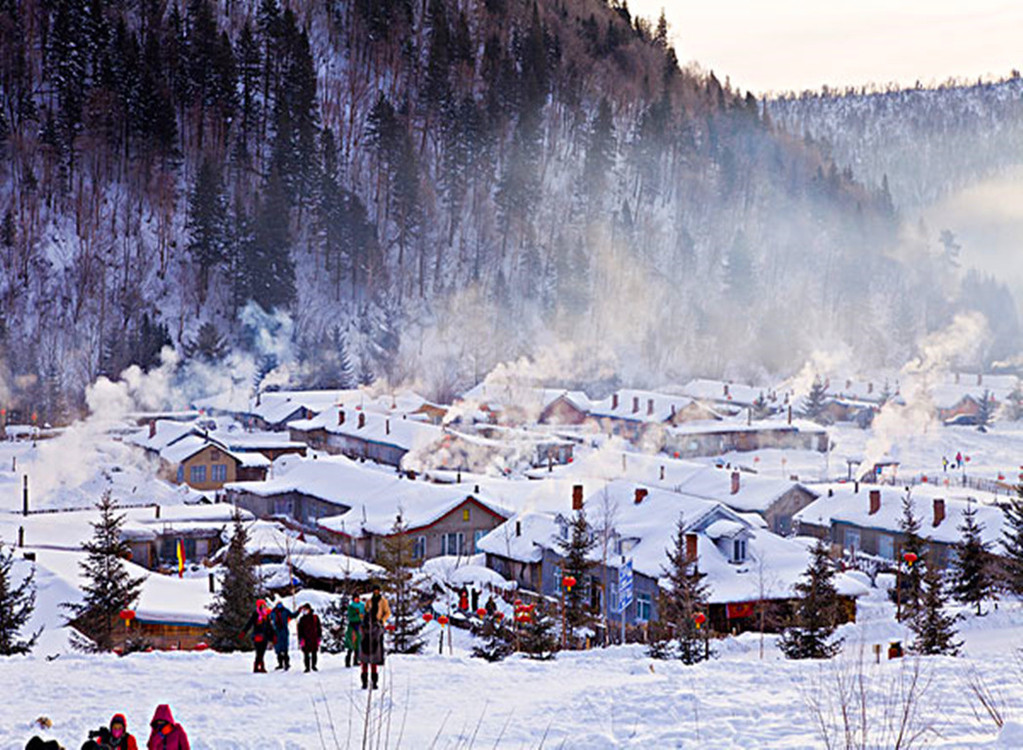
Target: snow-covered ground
point(610, 698)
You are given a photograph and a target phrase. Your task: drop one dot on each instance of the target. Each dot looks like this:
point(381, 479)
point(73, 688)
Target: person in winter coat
point(491, 606)
point(356, 610)
point(166, 734)
point(38, 743)
point(463, 599)
point(281, 616)
point(371, 645)
point(310, 633)
point(262, 634)
point(114, 737)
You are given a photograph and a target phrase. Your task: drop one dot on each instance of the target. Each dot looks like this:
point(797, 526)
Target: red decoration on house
point(910, 558)
point(568, 582)
point(127, 615)
point(443, 620)
point(427, 616)
point(390, 627)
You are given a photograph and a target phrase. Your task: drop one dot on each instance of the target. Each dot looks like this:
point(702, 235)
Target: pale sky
point(780, 45)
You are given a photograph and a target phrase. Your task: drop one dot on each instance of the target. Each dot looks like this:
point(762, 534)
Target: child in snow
point(281, 616)
point(114, 737)
point(310, 633)
point(166, 735)
point(356, 609)
point(262, 633)
point(371, 646)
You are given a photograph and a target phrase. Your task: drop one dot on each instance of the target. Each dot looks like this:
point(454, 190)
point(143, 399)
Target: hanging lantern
point(966, 459)
point(699, 618)
point(499, 615)
point(443, 620)
point(910, 558)
point(427, 616)
point(390, 627)
point(127, 615)
point(568, 582)
point(481, 613)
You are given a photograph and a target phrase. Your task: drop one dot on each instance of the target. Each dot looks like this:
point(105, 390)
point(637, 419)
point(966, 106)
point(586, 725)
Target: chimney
point(518, 528)
point(21, 536)
point(577, 497)
point(156, 508)
point(641, 493)
point(152, 428)
point(856, 487)
point(691, 550)
point(614, 401)
point(362, 419)
point(635, 404)
point(939, 510)
point(475, 489)
point(340, 417)
point(212, 582)
point(726, 389)
point(875, 501)
point(458, 478)
point(790, 413)
point(662, 473)
point(24, 496)
point(387, 427)
point(735, 482)
point(649, 407)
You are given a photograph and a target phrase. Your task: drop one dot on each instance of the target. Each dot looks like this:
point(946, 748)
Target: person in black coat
point(262, 633)
point(310, 633)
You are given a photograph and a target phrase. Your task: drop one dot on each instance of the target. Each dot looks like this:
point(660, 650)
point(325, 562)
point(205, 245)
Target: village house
point(207, 465)
point(702, 439)
point(631, 413)
point(361, 434)
point(864, 520)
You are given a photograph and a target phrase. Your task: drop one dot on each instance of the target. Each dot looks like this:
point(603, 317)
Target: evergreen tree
point(536, 633)
point(686, 596)
point(601, 149)
point(438, 61)
point(17, 603)
point(110, 588)
point(935, 630)
point(817, 612)
point(813, 403)
point(985, 411)
point(207, 223)
point(267, 264)
point(1012, 542)
point(495, 640)
point(334, 620)
point(972, 581)
point(395, 556)
point(209, 345)
point(575, 550)
point(343, 376)
point(236, 597)
point(761, 409)
point(908, 591)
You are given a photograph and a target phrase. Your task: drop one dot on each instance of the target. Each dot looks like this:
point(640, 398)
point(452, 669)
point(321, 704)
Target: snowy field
point(599, 699)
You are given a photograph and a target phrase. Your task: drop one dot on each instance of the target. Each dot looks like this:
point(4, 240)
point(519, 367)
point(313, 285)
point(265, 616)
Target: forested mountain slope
point(416, 190)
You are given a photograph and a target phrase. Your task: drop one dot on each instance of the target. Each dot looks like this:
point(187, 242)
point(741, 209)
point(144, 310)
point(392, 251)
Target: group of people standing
point(363, 639)
point(164, 734)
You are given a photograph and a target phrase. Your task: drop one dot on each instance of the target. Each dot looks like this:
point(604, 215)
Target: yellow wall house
point(206, 465)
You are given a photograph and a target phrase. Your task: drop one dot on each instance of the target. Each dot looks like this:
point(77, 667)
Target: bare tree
point(607, 516)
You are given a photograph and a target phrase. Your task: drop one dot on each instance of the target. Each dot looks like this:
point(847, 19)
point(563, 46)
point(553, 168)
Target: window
point(852, 540)
point(465, 515)
point(451, 544)
point(886, 546)
point(476, 536)
point(181, 474)
point(419, 548)
point(214, 454)
point(644, 607)
point(284, 506)
point(197, 475)
point(739, 550)
point(219, 472)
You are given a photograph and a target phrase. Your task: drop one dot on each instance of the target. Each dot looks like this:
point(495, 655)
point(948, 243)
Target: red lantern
point(910, 558)
point(699, 618)
point(127, 615)
point(966, 459)
point(518, 602)
point(390, 627)
point(443, 620)
point(427, 616)
point(568, 582)
point(676, 454)
point(481, 612)
point(923, 479)
point(499, 615)
point(201, 646)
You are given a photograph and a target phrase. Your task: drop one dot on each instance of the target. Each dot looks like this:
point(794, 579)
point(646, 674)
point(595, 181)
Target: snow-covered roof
point(640, 406)
point(456, 571)
point(337, 567)
point(847, 506)
point(401, 431)
point(703, 389)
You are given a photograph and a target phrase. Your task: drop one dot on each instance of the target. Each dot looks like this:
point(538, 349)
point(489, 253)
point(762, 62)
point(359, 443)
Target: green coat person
point(356, 611)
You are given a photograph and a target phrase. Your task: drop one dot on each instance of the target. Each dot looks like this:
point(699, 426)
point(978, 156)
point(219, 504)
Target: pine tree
point(813, 403)
point(395, 556)
point(972, 582)
point(236, 597)
point(537, 638)
point(908, 591)
point(207, 223)
point(575, 551)
point(685, 597)
point(601, 149)
point(334, 620)
point(343, 376)
point(495, 640)
point(266, 257)
point(985, 411)
point(17, 603)
point(1012, 542)
point(935, 631)
point(761, 409)
point(209, 345)
point(110, 588)
point(817, 612)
